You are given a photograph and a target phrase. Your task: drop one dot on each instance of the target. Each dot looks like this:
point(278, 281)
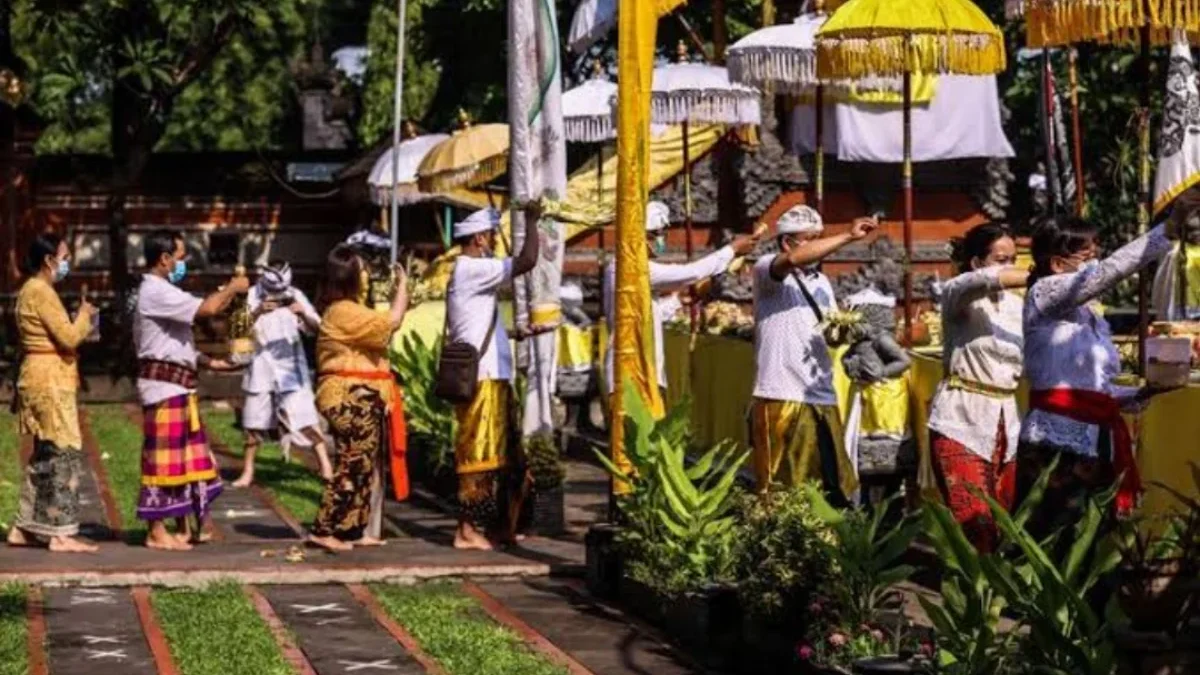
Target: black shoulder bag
point(458, 367)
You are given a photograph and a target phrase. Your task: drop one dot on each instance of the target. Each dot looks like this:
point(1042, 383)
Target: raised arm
point(400, 302)
point(219, 301)
point(527, 258)
point(669, 277)
point(958, 293)
point(1064, 292)
point(818, 249)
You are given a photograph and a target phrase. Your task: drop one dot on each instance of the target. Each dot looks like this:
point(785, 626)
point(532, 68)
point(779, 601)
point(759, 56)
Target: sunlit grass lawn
point(292, 484)
point(10, 470)
point(216, 631)
point(14, 652)
point(454, 630)
point(120, 443)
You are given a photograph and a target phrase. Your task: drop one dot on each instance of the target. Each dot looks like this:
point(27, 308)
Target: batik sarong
point(49, 502)
point(358, 430)
point(179, 476)
point(960, 472)
point(491, 485)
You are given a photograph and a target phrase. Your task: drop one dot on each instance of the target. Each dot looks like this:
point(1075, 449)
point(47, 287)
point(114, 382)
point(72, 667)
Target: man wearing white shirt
point(278, 385)
point(666, 281)
point(179, 476)
point(795, 426)
point(488, 499)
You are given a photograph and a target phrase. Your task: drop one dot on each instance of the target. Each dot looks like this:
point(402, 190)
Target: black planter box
point(604, 568)
point(548, 517)
point(641, 600)
point(441, 481)
point(707, 623)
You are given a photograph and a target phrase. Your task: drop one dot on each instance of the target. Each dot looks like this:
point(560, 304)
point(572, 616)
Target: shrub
point(431, 422)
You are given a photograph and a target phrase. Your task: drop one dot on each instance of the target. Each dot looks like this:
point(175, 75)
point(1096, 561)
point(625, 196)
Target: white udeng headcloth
point(276, 279)
point(800, 219)
point(658, 216)
point(482, 220)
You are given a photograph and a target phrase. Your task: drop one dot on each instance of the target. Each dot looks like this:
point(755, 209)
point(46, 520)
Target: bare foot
point(370, 541)
point(244, 481)
point(206, 535)
point(469, 539)
point(71, 545)
point(17, 537)
point(330, 543)
point(326, 469)
point(167, 542)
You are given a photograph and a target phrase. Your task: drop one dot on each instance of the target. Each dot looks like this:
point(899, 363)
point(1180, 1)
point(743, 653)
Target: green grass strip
point(291, 483)
point(11, 471)
point(14, 651)
point(454, 629)
point(216, 631)
point(120, 444)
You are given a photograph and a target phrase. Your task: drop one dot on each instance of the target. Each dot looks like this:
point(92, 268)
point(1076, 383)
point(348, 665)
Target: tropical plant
point(679, 518)
point(431, 421)
point(867, 555)
point(784, 559)
point(545, 463)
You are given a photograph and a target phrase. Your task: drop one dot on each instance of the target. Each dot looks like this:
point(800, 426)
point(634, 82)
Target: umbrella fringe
point(787, 70)
point(595, 129)
point(706, 107)
point(1062, 22)
point(467, 176)
point(853, 58)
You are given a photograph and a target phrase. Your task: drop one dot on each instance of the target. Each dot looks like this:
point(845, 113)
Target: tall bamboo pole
point(397, 116)
point(1145, 196)
point(1077, 137)
point(906, 181)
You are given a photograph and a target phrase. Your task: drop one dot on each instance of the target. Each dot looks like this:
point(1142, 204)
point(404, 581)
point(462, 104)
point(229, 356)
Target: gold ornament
point(241, 327)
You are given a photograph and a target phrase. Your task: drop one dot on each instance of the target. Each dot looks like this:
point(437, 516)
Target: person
point(666, 280)
point(179, 475)
point(359, 398)
point(973, 420)
point(45, 405)
point(489, 480)
point(1071, 363)
point(278, 385)
point(795, 428)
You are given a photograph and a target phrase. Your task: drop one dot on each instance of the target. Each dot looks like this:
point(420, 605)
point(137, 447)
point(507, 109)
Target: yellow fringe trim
point(467, 176)
point(854, 58)
point(175, 481)
point(1164, 200)
point(1054, 23)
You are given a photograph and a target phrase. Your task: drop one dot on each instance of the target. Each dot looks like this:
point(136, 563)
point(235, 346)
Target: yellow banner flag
point(633, 342)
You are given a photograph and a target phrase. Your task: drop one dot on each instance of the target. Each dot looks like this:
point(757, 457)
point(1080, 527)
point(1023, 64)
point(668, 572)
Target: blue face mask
point(63, 269)
point(1089, 265)
point(660, 245)
point(178, 272)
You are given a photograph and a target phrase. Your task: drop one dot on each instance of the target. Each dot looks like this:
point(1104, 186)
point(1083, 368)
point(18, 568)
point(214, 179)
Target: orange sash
point(397, 429)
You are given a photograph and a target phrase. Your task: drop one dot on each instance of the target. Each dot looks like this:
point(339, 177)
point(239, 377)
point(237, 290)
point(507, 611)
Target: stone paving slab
point(598, 637)
point(242, 517)
point(94, 630)
point(337, 634)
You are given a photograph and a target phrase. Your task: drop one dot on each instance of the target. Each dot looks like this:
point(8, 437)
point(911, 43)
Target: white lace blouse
point(981, 325)
point(1067, 344)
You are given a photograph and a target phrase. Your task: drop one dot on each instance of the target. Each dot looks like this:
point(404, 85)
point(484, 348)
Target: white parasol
point(588, 111)
point(687, 92)
point(592, 21)
point(410, 152)
point(782, 57)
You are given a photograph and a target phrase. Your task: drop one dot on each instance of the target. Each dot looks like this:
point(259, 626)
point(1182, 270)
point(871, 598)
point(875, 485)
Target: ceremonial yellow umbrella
point(881, 38)
point(472, 156)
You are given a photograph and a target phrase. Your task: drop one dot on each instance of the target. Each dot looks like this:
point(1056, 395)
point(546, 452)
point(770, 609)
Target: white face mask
point(1087, 266)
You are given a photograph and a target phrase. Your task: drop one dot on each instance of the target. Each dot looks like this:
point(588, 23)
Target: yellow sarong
point(786, 443)
point(482, 441)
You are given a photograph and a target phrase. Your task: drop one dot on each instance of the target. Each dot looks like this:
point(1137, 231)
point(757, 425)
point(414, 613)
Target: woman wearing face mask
point(49, 502)
point(1071, 361)
point(973, 420)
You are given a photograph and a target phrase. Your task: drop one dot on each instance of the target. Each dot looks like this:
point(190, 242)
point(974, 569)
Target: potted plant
point(603, 562)
point(549, 473)
point(431, 422)
point(1158, 571)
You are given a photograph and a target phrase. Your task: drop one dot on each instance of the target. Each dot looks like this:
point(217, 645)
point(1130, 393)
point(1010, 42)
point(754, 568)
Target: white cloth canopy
point(699, 93)
point(588, 111)
point(411, 153)
point(783, 56)
point(592, 21)
point(962, 121)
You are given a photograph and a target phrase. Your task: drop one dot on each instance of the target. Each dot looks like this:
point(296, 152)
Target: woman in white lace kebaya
point(1071, 362)
point(973, 420)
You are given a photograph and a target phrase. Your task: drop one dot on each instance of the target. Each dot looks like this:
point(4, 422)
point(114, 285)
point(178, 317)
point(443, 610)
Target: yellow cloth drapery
point(482, 442)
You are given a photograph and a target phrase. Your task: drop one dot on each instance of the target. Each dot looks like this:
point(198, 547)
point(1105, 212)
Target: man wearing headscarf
point(278, 384)
point(666, 281)
point(490, 483)
point(795, 427)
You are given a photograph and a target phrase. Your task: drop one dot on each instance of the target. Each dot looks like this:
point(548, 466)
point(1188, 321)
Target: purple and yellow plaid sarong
point(179, 476)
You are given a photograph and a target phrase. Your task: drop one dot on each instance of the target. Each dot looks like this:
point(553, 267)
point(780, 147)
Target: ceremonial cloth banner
point(537, 169)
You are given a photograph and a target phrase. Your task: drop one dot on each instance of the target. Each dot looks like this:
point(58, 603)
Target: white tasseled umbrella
point(700, 93)
point(411, 152)
point(588, 111)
